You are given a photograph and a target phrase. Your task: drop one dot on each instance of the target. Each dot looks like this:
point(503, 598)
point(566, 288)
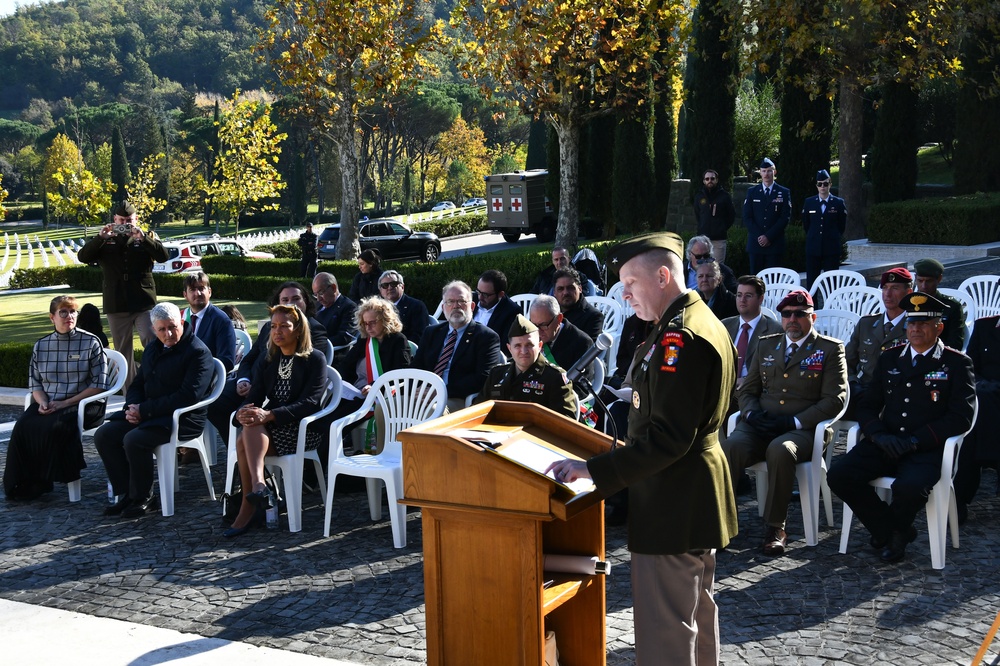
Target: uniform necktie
point(446, 353)
point(741, 348)
point(822, 206)
point(792, 348)
point(767, 191)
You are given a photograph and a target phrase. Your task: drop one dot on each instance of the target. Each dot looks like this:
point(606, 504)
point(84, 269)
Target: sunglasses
point(706, 255)
point(390, 285)
point(825, 183)
point(798, 314)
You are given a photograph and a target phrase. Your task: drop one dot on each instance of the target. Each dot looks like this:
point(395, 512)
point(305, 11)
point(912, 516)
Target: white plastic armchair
point(117, 371)
point(524, 302)
point(777, 275)
point(837, 324)
point(984, 290)
point(404, 398)
point(166, 454)
point(243, 345)
point(861, 300)
point(774, 295)
point(942, 507)
point(830, 281)
point(617, 292)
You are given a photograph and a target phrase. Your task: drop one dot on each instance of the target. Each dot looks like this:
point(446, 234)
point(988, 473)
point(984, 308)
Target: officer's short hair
point(547, 304)
point(753, 281)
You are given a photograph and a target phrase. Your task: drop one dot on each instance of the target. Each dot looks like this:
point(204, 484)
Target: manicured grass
point(931, 168)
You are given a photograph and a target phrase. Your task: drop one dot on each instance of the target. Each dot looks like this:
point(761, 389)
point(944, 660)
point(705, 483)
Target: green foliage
point(288, 249)
point(15, 357)
point(758, 126)
point(453, 226)
point(806, 126)
point(120, 173)
point(964, 220)
point(739, 261)
point(977, 126)
point(632, 174)
point(893, 157)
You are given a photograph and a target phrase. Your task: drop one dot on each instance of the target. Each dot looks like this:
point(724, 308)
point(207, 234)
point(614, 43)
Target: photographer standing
point(126, 255)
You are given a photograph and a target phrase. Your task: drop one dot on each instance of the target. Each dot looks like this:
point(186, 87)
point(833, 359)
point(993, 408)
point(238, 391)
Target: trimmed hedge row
point(15, 357)
point(965, 220)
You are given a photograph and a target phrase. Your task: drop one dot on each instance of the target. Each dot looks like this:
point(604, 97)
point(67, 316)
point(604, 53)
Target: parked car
point(394, 240)
point(443, 205)
point(183, 257)
point(226, 247)
point(473, 202)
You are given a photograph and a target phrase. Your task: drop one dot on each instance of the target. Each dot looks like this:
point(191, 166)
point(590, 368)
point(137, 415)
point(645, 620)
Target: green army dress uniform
point(542, 383)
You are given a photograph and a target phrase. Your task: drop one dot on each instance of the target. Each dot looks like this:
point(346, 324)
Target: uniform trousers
point(759, 261)
point(745, 447)
point(915, 474)
point(122, 325)
point(820, 263)
point(676, 619)
point(127, 453)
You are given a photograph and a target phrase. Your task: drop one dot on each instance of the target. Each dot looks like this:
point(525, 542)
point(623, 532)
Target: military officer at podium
point(529, 377)
point(682, 378)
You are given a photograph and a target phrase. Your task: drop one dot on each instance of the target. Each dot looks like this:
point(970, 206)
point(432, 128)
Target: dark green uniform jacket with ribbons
point(542, 383)
point(128, 270)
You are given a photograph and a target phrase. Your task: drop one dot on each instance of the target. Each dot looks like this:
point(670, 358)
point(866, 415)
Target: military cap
point(521, 326)
point(766, 163)
point(661, 240)
point(822, 174)
point(919, 305)
point(897, 275)
point(798, 298)
point(124, 209)
point(929, 268)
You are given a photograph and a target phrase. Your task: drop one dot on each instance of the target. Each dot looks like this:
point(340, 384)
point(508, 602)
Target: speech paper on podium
point(536, 457)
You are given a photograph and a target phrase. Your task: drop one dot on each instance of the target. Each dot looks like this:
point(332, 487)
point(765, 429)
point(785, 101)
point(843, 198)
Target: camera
point(123, 229)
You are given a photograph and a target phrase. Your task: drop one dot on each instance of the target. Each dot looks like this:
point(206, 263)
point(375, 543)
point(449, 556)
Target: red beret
point(898, 274)
point(798, 298)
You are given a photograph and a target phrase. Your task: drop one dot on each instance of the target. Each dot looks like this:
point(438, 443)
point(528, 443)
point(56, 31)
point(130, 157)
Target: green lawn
point(931, 168)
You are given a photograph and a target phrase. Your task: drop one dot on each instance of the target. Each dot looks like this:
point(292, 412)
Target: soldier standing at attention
point(766, 212)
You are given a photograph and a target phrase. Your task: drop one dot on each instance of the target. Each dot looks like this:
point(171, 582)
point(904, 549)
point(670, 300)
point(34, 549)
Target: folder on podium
point(490, 515)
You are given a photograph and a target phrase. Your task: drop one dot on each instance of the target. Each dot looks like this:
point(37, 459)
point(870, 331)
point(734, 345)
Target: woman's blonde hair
point(386, 312)
point(299, 323)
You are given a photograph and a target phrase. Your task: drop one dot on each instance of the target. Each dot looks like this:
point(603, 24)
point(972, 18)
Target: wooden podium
point(487, 523)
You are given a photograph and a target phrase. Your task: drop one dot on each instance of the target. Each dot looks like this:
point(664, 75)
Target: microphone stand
point(585, 384)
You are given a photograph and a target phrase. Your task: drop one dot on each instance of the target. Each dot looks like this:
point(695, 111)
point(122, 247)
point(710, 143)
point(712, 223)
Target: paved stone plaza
point(353, 597)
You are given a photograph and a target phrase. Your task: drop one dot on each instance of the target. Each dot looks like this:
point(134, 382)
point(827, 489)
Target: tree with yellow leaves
point(142, 186)
point(72, 191)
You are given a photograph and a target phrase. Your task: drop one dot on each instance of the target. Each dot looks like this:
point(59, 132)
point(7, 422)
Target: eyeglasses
point(66, 314)
point(798, 314)
point(825, 183)
point(368, 324)
point(546, 324)
point(389, 285)
point(317, 294)
point(456, 303)
point(486, 294)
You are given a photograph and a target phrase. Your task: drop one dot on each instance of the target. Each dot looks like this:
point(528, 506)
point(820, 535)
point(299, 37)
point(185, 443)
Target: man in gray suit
point(750, 324)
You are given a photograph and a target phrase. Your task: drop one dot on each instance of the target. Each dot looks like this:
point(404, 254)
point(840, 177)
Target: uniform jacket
point(308, 382)
point(586, 317)
point(766, 326)
point(127, 269)
point(364, 285)
point(812, 386)
point(767, 215)
point(954, 331)
point(931, 401)
point(501, 319)
point(169, 378)
point(257, 355)
point(867, 343)
point(307, 243)
point(475, 353)
point(984, 349)
point(681, 385)
point(216, 331)
point(542, 383)
point(413, 314)
point(338, 320)
point(714, 212)
point(824, 231)
point(394, 351)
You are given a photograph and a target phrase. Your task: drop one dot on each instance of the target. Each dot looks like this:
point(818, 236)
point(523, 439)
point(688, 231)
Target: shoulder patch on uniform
point(672, 343)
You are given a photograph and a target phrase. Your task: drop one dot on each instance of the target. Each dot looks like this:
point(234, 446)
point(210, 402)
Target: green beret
point(521, 326)
point(124, 209)
point(661, 240)
point(919, 305)
point(929, 268)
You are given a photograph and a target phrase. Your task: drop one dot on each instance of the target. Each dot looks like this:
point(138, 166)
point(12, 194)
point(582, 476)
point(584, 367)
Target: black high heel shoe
point(257, 520)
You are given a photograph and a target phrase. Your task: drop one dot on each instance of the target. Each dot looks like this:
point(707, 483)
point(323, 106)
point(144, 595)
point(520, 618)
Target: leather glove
point(892, 446)
point(783, 424)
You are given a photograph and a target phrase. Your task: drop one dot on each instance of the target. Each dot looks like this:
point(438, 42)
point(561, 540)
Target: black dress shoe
point(895, 550)
point(139, 509)
point(775, 541)
point(119, 506)
point(880, 541)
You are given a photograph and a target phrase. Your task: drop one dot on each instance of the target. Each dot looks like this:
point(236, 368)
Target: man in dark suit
point(574, 305)
point(824, 218)
point(307, 245)
point(176, 371)
point(922, 393)
point(493, 307)
point(412, 311)
point(981, 447)
point(795, 380)
point(336, 311)
point(210, 324)
point(460, 350)
point(562, 342)
point(766, 212)
point(681, 381)
point(750, 324)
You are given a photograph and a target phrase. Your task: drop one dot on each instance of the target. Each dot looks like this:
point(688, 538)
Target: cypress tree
point(596, 159)
point(977, 121)
point(664, 158)
point(633, 179)
point(806, 128)
point(537, 142)
point(893, 158)
point(120, 174)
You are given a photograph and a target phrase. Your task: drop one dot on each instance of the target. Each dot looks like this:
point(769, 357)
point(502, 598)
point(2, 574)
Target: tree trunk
point(350, 165)
point(851, 123)
point(567, 229)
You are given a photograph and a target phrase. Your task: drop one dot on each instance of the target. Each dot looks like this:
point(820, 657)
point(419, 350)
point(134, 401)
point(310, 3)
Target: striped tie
point(449, 349)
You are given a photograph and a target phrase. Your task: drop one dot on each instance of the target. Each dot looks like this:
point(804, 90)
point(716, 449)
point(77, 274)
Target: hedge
point(964, 220)
point(15, 358)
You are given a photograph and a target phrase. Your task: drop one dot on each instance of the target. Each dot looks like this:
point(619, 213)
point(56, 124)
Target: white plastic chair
point(775, 276)
point(243, 345)
point(770, 313)
point(971, 311)
point(290, 467)
point(810, 475)
point(617, 292)
point(614, 316)
point(166, 454)
point(984, 291)
point(524, 302)
point(774, 295)
point(405, 398)
point(942, 506)
point(328, 352)
point(862, 301)
point(117, 371)
point(837, 324)
point(830, 281)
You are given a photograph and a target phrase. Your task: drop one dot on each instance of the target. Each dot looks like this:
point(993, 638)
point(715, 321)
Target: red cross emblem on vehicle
point(497, 204)
point(515, 204)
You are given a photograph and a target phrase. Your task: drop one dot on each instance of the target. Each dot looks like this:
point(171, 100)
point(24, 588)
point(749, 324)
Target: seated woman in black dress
point(292, 381)
point(67, 366)
point(365, 282)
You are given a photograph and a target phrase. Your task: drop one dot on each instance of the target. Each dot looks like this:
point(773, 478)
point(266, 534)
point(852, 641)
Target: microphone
point(604, 342)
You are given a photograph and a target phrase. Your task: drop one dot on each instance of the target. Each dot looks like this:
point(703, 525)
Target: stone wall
point(680, 214)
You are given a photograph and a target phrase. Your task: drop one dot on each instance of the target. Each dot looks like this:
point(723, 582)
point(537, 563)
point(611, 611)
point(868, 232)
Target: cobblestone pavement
point(354, 597)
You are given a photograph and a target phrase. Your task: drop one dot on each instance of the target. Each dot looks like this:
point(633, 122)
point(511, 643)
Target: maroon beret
point(798, 298)
point(899, 275)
